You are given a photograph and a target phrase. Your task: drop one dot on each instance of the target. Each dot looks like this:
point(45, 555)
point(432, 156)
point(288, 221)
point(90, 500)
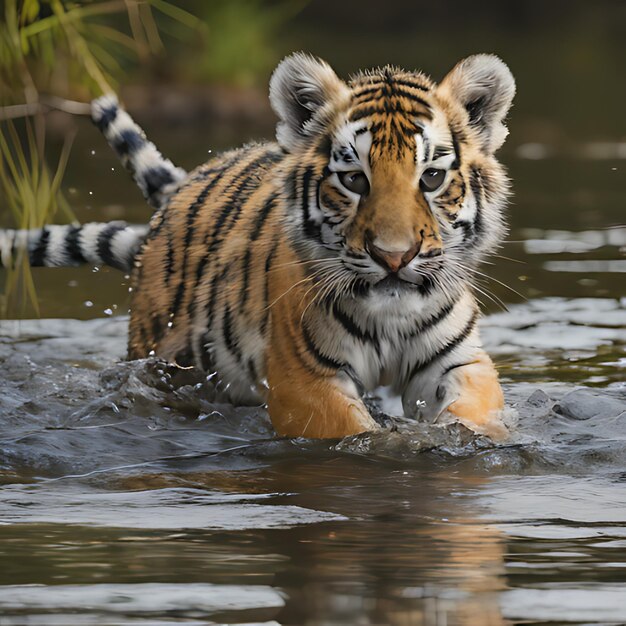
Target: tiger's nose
point(396, 260)
point(391, 260)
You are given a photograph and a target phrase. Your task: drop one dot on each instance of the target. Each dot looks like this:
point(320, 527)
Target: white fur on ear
point(485, 87)
point(301, 89)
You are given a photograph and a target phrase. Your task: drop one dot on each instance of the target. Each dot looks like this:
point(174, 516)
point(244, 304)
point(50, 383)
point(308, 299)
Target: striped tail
point(157, 177)
point(113, 243)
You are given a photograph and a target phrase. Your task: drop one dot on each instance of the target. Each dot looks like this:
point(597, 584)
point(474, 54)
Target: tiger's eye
point(355, 181)
point(432, 179)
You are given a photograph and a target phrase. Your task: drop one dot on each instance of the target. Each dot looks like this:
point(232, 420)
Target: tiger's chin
point(395, 286)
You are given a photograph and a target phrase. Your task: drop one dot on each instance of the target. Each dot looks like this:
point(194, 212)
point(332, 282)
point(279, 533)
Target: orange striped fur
point(268, 270)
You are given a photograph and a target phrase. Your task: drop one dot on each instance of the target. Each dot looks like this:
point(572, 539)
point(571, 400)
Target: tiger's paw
point(318, 409)
point(469, 393)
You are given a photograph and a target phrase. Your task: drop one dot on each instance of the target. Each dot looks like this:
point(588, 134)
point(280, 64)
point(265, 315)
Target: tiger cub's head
point(395, 176)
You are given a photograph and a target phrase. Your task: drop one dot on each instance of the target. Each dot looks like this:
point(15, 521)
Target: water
point(130, 499)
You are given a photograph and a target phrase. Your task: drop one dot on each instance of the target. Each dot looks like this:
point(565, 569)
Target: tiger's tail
point(157, 177)
point(112, 243)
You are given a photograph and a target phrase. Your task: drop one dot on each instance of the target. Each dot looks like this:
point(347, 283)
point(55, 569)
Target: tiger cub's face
point(400, 183)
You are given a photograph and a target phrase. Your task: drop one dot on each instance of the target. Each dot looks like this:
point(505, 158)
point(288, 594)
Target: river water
point(128, 500)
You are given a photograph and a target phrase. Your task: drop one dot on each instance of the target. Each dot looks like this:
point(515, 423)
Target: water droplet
point(93, 152)
point(130, 289)
point(95, 269)
point(108, 312)
point(151, 353)
point(170, 324)
point(91, 193)
point(112, 169)
point(88, 303)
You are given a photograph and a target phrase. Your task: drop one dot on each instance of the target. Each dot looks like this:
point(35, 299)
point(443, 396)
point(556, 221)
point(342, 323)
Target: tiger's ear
point(301, 90)
point(485, 87)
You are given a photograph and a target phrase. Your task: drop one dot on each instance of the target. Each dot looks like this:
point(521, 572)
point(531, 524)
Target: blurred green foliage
point(241, 39)
point(51, 50)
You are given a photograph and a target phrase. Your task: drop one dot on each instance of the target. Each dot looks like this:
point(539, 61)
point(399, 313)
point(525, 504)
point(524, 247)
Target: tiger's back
point(200, 288)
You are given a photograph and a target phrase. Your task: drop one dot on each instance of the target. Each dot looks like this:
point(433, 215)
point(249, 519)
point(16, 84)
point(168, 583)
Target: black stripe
point(457, 150)
point(245, 279)
point(38, 253)
point(448, 347)
point(329, 203)
point(405, 82)
point(229, 339)
point(426, 145)
point(107, 115)
point(157, 327)
point(324, 146)
point(366, 111)
point(322, 359)
point(266, 291)
point(457, 365)
point(103, 245)
point(262, 216)
point(366, 93)
point(311, 229)
point(426, 287)
point(127, 142)
point(252, 370)
point(73, 249)
point(468, 229)
point(169, 258)
point(154, 179)
point(431, 321)
point(351, 327)
point(210, 305)
point(205, 356)
point(413, 98)
point(477, 189)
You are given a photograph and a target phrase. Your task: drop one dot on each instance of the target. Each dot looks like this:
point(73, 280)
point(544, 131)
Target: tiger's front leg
point(309, 392)
point(468, 391)
point(301, 404)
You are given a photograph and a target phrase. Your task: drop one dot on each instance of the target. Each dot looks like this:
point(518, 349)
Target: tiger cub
point(311, 270)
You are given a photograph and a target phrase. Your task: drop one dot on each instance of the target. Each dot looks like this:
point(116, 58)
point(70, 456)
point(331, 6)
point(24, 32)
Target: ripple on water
point(99, 455)
point(100, 603)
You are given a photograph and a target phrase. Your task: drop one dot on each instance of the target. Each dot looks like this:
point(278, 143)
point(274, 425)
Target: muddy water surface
point(129, 501)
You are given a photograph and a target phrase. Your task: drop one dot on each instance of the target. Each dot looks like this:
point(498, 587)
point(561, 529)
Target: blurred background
point(194, 74)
